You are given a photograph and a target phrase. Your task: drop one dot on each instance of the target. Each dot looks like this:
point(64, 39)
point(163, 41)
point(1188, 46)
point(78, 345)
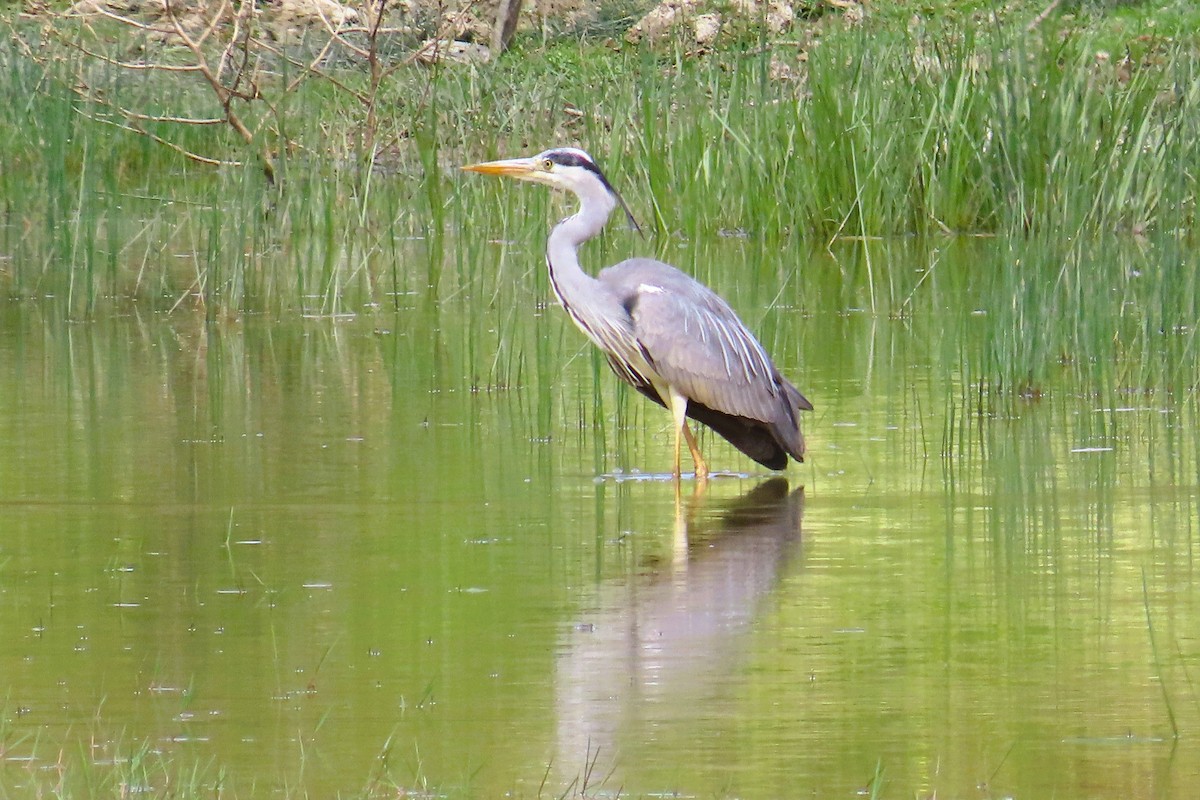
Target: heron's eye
point(547, 164)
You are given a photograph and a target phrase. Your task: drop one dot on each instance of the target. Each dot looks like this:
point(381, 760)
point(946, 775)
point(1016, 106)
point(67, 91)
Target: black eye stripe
point(567, 159)
point(575, 158)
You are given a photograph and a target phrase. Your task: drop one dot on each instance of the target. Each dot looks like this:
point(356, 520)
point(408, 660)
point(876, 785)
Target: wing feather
point(695, 341)
point(679, 331)
point(707, 353)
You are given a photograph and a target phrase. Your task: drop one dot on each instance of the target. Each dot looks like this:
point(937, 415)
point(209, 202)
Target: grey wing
point(696, 342)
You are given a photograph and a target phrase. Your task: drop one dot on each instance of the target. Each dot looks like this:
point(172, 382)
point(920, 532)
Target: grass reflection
point(327, 535)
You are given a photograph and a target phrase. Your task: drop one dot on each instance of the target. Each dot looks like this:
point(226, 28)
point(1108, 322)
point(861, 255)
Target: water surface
point(431, 550)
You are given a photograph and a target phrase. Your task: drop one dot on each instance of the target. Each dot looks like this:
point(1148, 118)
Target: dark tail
point(769, 444)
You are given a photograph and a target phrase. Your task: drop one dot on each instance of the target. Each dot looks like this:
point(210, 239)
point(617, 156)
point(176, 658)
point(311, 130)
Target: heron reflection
point(653, 651)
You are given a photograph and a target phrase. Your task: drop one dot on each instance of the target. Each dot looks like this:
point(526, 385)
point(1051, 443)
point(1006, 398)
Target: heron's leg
point(677, 404)
point(697, 456)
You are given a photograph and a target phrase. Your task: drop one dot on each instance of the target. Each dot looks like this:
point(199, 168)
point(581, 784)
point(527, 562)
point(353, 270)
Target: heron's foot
point(697, 456)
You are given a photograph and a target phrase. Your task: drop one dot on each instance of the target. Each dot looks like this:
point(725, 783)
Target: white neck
point(570, 282)
point(593, 307)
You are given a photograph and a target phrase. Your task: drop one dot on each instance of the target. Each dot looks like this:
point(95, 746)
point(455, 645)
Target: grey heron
point(668, 335)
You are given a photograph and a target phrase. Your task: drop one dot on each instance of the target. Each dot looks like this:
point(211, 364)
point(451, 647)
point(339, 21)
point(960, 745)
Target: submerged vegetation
point(1071, 144)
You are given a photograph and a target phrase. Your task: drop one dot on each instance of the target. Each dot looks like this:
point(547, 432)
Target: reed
point(1069, 157)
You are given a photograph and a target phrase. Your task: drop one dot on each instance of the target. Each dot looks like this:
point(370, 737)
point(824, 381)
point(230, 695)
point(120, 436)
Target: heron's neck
point(562, 249)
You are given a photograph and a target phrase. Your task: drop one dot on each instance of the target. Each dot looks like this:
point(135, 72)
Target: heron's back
point(698, 344)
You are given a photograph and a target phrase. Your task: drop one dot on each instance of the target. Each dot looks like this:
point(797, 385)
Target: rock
point(437, 51)
point(706, 27)
point(294, 17)
point(778, 14)
point(780, 70)
point(283, 19)
point(667, 15)
point(447, 21)
point(852, 10)
point(463, 26)
point(661, 20)
point(780, 17)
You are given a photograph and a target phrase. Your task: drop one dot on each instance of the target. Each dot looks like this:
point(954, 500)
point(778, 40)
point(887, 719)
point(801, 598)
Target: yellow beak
point(512, 167)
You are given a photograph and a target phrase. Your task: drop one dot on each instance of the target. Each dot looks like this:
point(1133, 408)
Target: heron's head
point(561, 168)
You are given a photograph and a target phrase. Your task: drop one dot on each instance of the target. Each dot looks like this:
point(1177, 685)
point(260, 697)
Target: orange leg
point(677, 404)
point(697, 456)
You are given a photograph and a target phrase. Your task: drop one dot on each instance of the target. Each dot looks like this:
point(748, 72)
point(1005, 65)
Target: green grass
point(1069, 154)
point(117, 768)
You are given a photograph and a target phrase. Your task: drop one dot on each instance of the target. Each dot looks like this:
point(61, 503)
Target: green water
point(430, 550)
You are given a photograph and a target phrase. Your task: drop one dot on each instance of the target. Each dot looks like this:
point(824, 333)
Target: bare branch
point(243, 69)
point(179, 30)
point(227, 51)
point(216, 162)
point(311, 68)
point(98, 100)
point(369, 31)
point(1041, 17)
point(214, 22)
point(198, 121)
point(137, 65)
point(346, 43)
point(124, 20)
point(202, 67)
